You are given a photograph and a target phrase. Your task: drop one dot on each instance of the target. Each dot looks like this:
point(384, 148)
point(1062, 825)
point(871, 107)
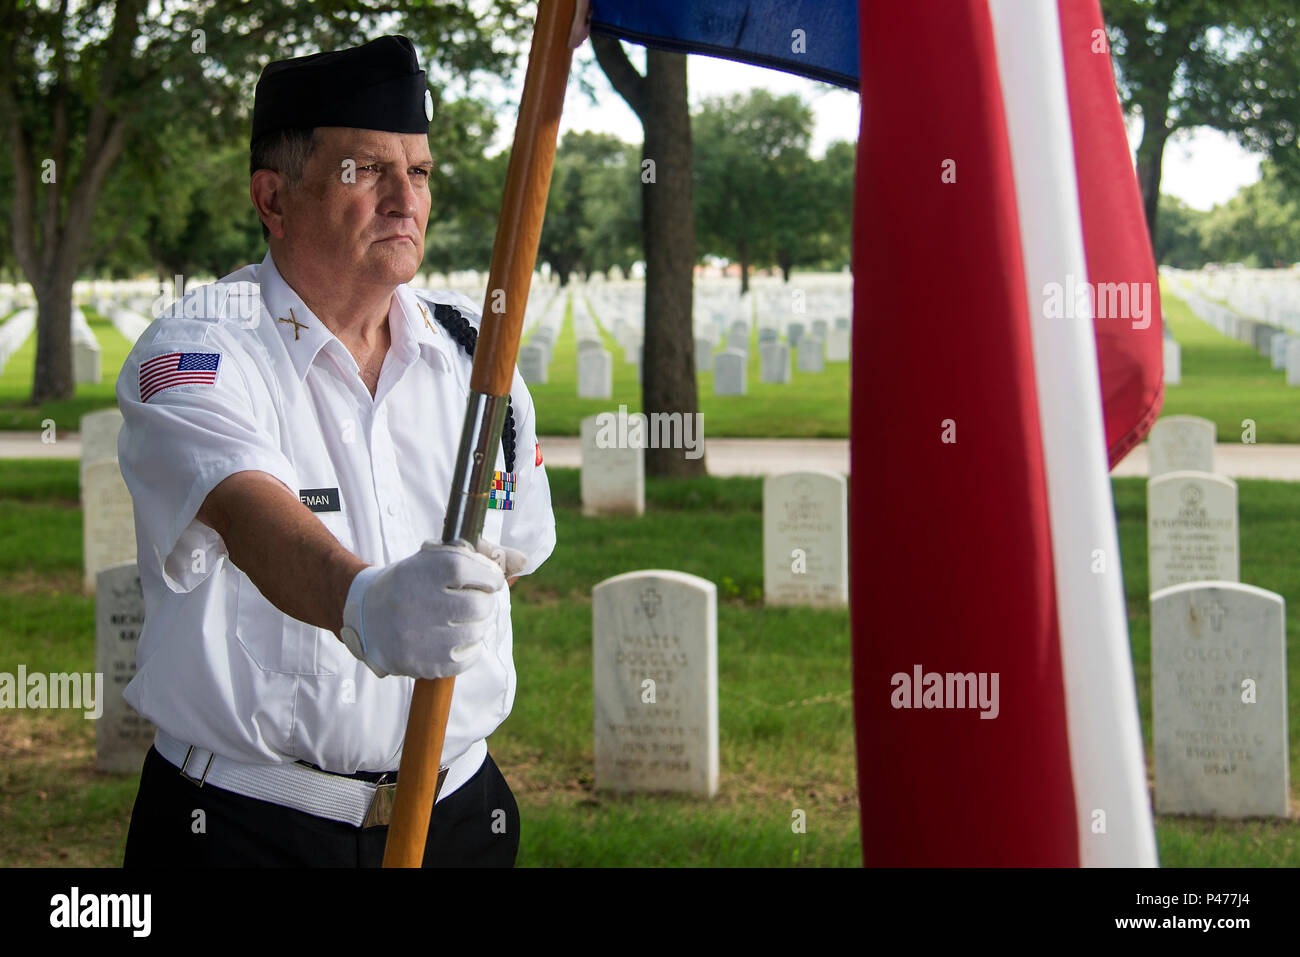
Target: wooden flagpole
point(514, 254)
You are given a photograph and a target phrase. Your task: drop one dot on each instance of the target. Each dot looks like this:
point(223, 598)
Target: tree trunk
point(668, 231)
point(785, 261)
point(668, 236)
point(1150, 157)
point(744, 267)
point(54, 377)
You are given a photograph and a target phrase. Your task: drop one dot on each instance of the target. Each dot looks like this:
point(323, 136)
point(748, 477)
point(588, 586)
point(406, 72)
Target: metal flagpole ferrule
point(475, 460)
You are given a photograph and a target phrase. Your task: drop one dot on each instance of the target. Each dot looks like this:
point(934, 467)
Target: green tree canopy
point(1260, 226)
point(88, 89)
point(585, 182)
point(1232, 65)
point(752, 175)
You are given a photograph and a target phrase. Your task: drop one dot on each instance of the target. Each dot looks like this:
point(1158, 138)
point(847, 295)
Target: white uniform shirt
point(219, 666)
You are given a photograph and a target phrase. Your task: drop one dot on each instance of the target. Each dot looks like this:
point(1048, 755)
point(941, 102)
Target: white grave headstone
point(595, 374)
point(837, 345)
point(1192, 530)
point(532, 364)
point(738, 337)
point(1293, 362)
point(729, 372)
point(1173, 362)
point(107, 519)
point(1181, 443)
point(1218, 697)
point(703, 354)
point(655, 678)
point(122, 737)
point(774, 360)
point(613, 464)
point(810, 358)
point(98, 432)
point(805, 539)
point(86, 362)
point(1277, 350)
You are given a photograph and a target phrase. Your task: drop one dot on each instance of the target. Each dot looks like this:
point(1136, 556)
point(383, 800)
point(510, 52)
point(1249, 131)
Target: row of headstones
point(622, 319)
point(130, 323)
point(86, 363)
point(1269, 294)
point(15, 332)
point(655, 632)
point(805, 513)
point(1279, 346)
point(19, 296)
point(729, 367)
point(535, 354)
point(1218, 675)
point(835, 339)
point(1218, 654)
point(85, 347)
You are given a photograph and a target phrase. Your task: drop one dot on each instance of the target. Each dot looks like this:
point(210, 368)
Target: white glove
point(425, 616)
point(511, 561)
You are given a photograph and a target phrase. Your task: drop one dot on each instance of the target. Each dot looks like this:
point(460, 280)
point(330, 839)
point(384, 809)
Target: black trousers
point(476, 826)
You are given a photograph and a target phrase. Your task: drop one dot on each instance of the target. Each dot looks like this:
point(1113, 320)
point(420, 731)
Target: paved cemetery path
point(766, 456)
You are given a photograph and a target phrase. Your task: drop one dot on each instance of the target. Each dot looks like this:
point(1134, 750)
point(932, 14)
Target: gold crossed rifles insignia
point(302, 325)
point(296, 324)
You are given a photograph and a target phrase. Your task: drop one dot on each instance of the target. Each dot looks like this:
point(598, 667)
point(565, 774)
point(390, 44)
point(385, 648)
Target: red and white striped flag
point(996, 210)
point(175, 369)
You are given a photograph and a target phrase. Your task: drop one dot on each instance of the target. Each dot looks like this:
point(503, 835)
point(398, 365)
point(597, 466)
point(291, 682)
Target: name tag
point(320, 499)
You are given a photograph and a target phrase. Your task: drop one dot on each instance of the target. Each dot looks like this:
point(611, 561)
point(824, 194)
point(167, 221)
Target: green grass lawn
point(786, 730)
point(1227, 381)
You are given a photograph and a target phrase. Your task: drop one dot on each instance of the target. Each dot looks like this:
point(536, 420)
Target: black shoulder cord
point(466, 336)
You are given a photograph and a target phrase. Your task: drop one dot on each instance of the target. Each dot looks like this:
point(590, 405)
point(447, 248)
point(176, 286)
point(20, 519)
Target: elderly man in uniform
point(290, 466)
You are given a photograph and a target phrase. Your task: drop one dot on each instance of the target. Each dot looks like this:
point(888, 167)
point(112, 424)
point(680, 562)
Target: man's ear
point(266, 189)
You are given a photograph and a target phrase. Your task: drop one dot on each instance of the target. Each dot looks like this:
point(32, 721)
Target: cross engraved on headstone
point(650, 600)
point(1215, 613)
point(296, 324)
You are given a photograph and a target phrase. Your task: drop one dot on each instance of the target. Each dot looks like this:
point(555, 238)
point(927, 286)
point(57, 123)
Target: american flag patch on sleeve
point(175, 369)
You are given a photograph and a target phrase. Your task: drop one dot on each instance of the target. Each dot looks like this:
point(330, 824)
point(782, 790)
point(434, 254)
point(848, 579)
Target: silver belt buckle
point(381, 805)
point(207, 767)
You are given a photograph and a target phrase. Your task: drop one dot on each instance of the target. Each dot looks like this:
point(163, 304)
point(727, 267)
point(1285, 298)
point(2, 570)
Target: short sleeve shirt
point(240, 375)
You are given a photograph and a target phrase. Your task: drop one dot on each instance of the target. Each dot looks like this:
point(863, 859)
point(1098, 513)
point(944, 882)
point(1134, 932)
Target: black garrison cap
point(376, 86)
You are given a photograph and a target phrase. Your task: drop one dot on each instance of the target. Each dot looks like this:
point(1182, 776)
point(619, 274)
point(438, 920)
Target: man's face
point(360, 213)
